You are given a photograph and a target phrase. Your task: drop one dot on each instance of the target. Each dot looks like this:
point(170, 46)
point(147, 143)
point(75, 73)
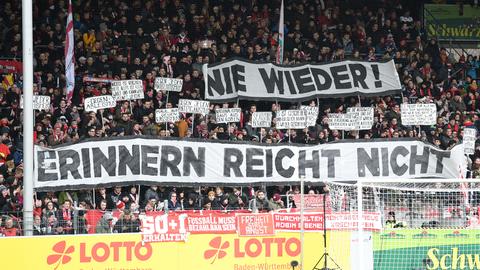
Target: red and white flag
point(69, 56)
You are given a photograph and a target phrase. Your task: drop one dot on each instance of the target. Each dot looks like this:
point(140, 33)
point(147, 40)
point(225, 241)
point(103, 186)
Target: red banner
point(291, 221)
point(160, 227)
point(176, 226)
point(217, 223)
point(311, 201)
point(255, 224)
point(349, 221)
point(11, 66)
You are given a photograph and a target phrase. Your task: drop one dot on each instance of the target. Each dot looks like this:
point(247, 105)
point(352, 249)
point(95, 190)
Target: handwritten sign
point(39, 102)
point(419, 114)
point(261, 119)
point(469, 138)
point(100, 102)
point(341, 121)
point(312, 114)
point(363, 117)
point(167, 115)
point(291, 119)
point(193, 106)
point(168, 84)
point(228, 115)
point(127, 90)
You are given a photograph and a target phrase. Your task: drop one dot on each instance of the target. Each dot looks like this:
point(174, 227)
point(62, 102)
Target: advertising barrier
point(450, 21)
point(207, 251)
point(177, 226)
point(430, 249)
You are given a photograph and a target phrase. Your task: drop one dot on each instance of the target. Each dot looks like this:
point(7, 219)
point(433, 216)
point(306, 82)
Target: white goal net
point(430, 224)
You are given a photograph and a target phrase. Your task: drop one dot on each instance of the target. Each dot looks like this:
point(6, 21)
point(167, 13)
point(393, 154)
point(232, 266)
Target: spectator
point(65, 217)
point(124, 223)
point(38, 229)
point(9, 229)
point(104, 225)
point(4, 196)
point(114, 197)
point(276, 202)
point(152, 193)
point(173, 203)
point(237, 199)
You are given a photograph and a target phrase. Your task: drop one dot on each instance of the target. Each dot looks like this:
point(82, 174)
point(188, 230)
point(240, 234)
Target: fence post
point(75, 217)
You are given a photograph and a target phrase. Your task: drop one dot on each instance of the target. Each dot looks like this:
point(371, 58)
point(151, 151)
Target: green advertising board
point(445, 22)
point(412, 249)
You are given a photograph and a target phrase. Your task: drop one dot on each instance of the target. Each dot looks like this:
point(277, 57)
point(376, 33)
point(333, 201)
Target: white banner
point(312, 115)
point(193, 106)
point(363, 117)
point(39, 102)
point(100, 102)
point(291, 119)
point(419, 114)
point(234, 79)
point(168, 84)
point(261, 119)
point(341, 121)
point(469, 138)
point(127, 90)
point(228, 115)
point(167, 115)
point(129, 160)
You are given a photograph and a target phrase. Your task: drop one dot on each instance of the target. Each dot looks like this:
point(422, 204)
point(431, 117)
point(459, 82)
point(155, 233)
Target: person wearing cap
point(276, 202)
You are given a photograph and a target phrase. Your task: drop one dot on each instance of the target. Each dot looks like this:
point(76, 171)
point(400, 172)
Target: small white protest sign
point(291, 119)
point(312, 114)
point(193, 106)
point(127, 90)
point(341, 121)
point(469, 138)
point(168, 84)
point(261, 119)
point(228, 115)
point(39, 102)
point(167, 115)
point(99, 102)
point(363, 117)
point(419, 114)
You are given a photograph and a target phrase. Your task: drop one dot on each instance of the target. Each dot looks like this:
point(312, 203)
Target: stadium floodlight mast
point(28, 120)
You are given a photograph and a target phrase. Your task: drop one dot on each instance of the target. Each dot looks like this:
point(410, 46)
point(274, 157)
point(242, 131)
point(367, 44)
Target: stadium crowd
point(117, 39)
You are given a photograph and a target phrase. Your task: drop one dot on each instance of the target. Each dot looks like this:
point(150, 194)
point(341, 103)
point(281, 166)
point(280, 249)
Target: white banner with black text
point(147, 160)
point(234, 79)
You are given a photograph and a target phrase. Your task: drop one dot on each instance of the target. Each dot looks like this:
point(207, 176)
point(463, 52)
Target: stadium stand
point(117, 39)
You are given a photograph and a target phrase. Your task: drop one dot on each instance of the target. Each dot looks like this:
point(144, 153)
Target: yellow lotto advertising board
point(199, 252)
